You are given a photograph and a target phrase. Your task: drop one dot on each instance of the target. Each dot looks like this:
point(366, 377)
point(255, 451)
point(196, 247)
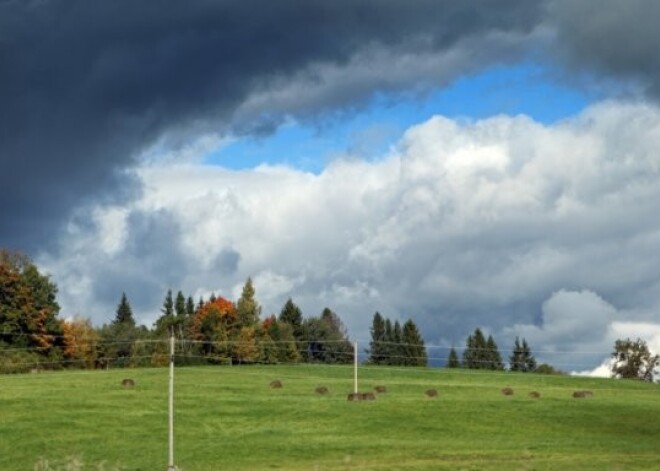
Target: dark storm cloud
point(611, 37)
point(86, 85)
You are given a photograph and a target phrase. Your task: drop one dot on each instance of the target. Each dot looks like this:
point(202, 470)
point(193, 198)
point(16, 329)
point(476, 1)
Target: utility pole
point(355, 366)
point(171, 466)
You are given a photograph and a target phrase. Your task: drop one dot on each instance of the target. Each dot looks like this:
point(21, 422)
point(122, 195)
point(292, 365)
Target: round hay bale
point(276, 384)
point(128, 382)
point(368, 396)
point(507, 391)
point(322, 390)
point(431, 393)
point(535, 395)
point(380, 389)
point(582, 394)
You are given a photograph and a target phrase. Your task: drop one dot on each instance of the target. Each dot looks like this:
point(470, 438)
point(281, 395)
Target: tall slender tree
point(247, 307)
point(377, 346)
point(292, 315)
point(414, 349)
point(452, 360)
point(180, 305)
point(124, 315)
point(494, 359)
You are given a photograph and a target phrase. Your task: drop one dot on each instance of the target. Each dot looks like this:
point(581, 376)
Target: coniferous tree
point(398, 349)
point(413, 345)
point(494, 359)
point(377, 347)
point(124, 313)
point(190, 306)
point(247, 307)
point(452, 361)
point(475, 355)
point(292, 315)
point(168, 305)
point(180, 305)
point(388, 345)
point(521, 358)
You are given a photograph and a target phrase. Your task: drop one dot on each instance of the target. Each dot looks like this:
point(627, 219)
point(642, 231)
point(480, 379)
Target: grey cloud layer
point(86, 85)
point(523, 229)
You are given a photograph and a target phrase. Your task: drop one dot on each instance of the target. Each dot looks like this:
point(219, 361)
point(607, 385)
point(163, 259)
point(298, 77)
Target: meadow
point(228, 418)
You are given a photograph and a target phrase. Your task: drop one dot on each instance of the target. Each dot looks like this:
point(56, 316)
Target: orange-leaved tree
point(214, 325)
point(80, 342)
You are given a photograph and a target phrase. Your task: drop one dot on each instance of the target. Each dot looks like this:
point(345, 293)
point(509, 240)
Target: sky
point(465, 164)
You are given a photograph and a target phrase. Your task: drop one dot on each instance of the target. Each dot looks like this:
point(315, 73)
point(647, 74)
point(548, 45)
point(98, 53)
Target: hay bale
point(380, 389)
point(276, 384)
point(431, 393)
point(369, 396)
point(507, 391)
point(535, 395)
point(322, 390)
point(128, 382)
point(582, 394)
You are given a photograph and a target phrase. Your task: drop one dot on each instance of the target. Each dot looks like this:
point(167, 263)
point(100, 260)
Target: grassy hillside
point(228, 418)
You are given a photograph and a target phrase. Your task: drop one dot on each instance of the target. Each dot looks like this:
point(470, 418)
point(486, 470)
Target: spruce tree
point(388, 345)
point(124, 313)
point(494, 359)
point(180, 305)
point(168, 304)
point(452, 361)
point(292, 315)
point(414, 350)
point(475, 355)
point(528, 358)
point(398, 349)
point(521, 358)
point(377, 346)
point(190, 306)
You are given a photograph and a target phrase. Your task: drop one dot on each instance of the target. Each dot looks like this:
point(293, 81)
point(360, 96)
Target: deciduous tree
point(633, 360)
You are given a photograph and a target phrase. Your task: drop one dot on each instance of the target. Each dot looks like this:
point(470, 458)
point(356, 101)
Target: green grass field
point(228, 418)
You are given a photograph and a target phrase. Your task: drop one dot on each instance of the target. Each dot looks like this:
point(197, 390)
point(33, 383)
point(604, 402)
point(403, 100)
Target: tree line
point(218, 330)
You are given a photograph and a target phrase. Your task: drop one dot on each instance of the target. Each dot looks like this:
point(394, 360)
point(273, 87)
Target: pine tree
point(376, 346)
point(494, 359)
point(452, 361)
point(475, 355)
point(267, 349)
point(292, 315)
point(414, 350)
point(398, 349)
point(168, 305)
point(190, 306)
point(247, 306)
point(521, 358)
point(528, 358)
point(388, 346)
point(180, 305)
point(124, 313)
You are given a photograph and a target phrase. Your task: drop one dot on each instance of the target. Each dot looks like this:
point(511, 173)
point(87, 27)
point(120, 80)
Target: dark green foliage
point(377, 347)
point(326, 339)
point(180, 305)
point(396, 346)
point(28, 307)
point(124, 314)
point(292, 315)
point(475, 355)
point(452, 361)
point(545, 369)
point(414, 350)
point(521, 358)
point(633, 360)
point(494, 361)
point(190, 306)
